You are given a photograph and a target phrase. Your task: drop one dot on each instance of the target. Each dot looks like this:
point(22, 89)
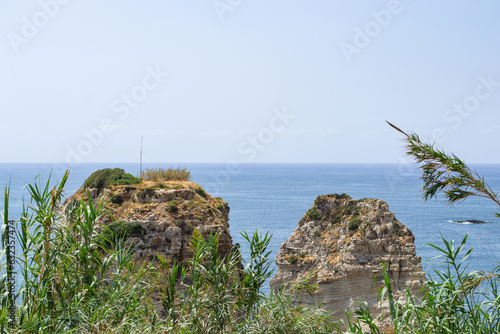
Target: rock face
point(168, 213)
point(343, 242)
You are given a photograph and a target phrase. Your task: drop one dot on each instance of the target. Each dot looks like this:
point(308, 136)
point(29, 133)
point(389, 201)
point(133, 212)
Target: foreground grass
point(77, 279)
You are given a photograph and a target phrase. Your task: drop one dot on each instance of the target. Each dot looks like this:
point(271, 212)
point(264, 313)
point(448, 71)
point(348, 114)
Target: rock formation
point(164, 216)
point(342, 242)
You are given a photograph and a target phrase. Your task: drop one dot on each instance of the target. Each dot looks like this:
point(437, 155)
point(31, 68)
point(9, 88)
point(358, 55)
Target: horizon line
point(238, 163)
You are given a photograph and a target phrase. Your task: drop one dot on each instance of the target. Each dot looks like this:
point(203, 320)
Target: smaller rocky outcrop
point(342, 242)
point(163, 216)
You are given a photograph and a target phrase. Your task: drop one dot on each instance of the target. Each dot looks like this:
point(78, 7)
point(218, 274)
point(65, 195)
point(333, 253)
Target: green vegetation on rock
point(172, 206)
point(121, 230)
point(201, 192)
point(322, 199)
point(313, 213)
point(354, 223)
point(116, 199)
point(104, 178)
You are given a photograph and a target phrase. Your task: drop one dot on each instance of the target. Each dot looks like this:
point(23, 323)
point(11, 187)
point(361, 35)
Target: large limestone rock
point(168, 213)
point(343, 242)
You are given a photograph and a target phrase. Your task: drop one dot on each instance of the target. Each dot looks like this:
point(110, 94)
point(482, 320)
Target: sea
point(272, 198)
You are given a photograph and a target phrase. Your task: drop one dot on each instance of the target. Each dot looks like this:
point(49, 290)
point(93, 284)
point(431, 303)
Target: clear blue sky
point(246, 81)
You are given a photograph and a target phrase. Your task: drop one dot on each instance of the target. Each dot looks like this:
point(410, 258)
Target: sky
point(247, 81)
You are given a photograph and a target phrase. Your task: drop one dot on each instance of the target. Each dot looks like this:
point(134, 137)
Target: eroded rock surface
point(168, 213)
point(343, 241)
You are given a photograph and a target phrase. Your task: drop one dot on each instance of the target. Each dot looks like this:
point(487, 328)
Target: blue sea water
point(273, 197)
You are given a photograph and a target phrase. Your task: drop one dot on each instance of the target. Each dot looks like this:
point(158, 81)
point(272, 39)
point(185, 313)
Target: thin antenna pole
point(142, 138)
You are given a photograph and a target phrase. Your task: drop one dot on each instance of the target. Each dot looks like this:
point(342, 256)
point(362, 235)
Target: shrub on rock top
point(104, 178)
